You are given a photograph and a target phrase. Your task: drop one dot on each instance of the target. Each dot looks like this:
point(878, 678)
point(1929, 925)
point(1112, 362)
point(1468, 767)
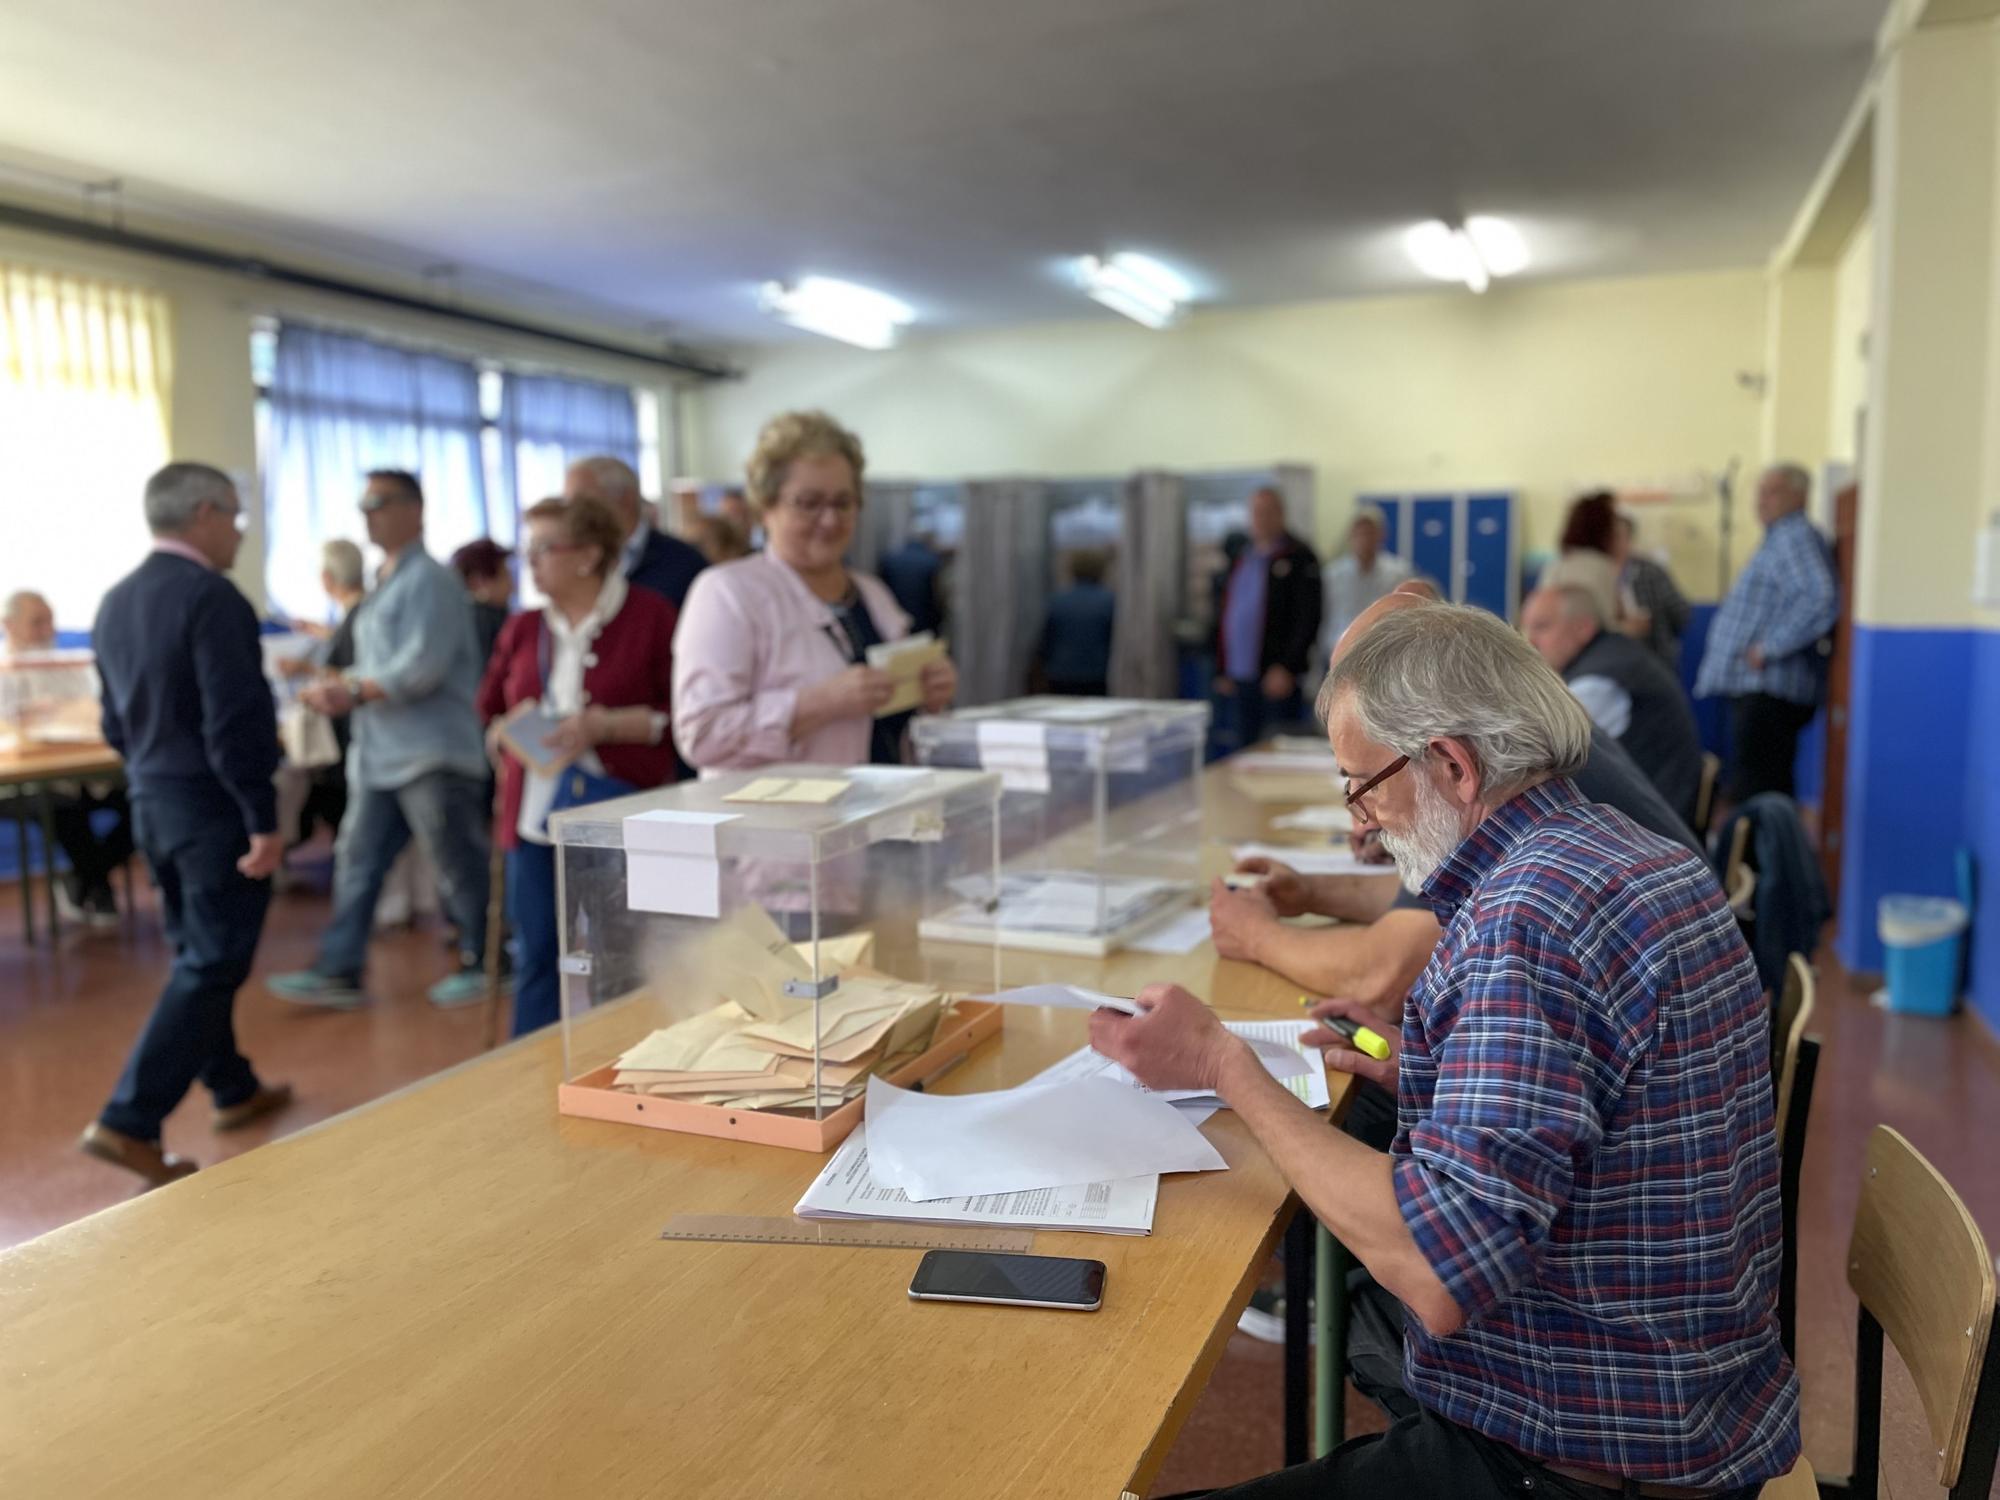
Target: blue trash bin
point(1923, 936)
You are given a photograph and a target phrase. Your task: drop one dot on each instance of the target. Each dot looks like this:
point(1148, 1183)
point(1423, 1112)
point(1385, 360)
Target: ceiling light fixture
point(841, 310)
point(1475, 253)
point(1137, 286)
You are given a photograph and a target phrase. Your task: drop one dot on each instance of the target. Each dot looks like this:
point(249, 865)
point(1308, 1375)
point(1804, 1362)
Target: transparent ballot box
point(739, 955)
point(49, 698)
point(1100, 818)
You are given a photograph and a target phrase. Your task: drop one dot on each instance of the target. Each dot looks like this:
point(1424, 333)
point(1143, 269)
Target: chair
point(1794, 1063)
point(1739, 881)
point(1925, 1278)
point(1704, 797)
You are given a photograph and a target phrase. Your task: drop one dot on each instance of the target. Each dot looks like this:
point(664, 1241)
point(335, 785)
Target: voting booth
point(1100, 818)
point(740, 954)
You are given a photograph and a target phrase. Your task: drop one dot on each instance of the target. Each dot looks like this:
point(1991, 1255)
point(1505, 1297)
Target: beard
point(1433, 836)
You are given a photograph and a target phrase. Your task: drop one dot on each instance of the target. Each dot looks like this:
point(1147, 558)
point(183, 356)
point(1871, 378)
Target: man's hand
point(1637, 623)
point(1224, 688)
point(330, 698)
point(1278, 682)
point(1285, 889)
point(580, 732)
point(938, 681)
point(853, 693)
point(1342, 1055)
point(267, 852)
point(1755, 656)
point(1238, 921)
point(1175, 1043)
point(1366, 845)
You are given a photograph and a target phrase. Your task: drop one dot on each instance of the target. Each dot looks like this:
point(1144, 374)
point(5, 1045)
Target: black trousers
point(1763, 743)
point(1422, 1457)
point(214, 916)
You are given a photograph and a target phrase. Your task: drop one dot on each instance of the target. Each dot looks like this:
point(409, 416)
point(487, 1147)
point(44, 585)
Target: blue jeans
point(1253, 716)
point(449, 815)
point(214, 916)
point(531, 908)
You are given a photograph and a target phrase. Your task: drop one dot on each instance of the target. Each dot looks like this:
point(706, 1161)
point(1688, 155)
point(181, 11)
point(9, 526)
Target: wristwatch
point(352, 682)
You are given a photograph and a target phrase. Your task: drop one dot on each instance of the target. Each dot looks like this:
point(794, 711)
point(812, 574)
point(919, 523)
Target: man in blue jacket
point(186, 704)
point(653, 560)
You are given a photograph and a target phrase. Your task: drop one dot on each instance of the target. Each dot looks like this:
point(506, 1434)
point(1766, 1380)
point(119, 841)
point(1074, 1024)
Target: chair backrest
point(1742, 891)
point(1788, 1031)
point(1925, 1277)
point(1704, 798)
point(1739, 850)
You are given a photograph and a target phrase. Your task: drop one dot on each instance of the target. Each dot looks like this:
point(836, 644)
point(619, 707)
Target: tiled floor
point(67, 1016)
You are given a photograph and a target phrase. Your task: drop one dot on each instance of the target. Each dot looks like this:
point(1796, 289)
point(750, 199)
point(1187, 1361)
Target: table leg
point(1298, 1333)
point(27, 880)
point(48, 806)
point(1331, 1263)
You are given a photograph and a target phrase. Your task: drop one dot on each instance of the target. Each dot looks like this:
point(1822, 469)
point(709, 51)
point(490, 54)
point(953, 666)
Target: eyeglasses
point(1355, 794)
point(839, 508)
point(535, 551)
point(374, 500)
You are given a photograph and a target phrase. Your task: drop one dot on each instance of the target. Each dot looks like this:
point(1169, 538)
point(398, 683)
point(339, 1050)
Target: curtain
point(1001, 587)
point(341, 405)
point(883, 525)
point(1144, 658)
point(85, 378)
point(547, 423)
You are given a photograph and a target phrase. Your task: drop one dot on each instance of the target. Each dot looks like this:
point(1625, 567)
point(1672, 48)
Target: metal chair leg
point(1298, 1333)
point(1331, 1263)
point(496, 907)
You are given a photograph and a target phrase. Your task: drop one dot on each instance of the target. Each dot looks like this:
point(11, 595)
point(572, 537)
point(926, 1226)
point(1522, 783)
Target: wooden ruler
point(748, 1229)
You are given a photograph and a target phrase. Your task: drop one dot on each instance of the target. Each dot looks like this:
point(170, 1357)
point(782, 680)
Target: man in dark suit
point(186, 704)
point(1267, 621)
point(653, 560)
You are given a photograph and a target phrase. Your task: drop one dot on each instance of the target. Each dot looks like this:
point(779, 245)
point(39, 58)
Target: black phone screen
point(1009, 1278)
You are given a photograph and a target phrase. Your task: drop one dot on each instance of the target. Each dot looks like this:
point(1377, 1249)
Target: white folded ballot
point(1276, 1044)
point(848, 1189)
point(1334, 859)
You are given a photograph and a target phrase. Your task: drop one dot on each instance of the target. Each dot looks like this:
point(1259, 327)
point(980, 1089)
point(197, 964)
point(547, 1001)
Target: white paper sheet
point(1013, 1140)
point(1063, 997)
point(1181, 934)
point(1329, 817)
point(1275, 1043)
point(1331, 860)
point(848, 1189)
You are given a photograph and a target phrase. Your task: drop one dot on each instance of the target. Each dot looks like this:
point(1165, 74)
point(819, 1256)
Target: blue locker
point(1432, 546)
point(1391, 506)
point(1488, 578)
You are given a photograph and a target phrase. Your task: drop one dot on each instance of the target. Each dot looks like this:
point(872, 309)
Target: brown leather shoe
point(147, 1158)
point(269, 1099)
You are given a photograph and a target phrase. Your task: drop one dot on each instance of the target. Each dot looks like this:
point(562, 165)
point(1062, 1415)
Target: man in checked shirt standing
point(1763, 647)
point(1580, 1205)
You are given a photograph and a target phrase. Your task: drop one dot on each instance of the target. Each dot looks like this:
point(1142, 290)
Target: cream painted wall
point(1853, 294)
point(1543, 389)
point(212, 417)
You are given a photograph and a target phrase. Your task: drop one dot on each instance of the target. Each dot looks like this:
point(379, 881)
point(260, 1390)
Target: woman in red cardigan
point(597, 657)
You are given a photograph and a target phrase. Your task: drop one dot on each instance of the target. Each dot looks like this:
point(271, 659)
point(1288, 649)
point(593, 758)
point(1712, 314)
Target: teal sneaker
point(466, 987)
point(310, 987)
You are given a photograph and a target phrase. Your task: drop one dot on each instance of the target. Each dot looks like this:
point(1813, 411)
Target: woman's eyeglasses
point(839, 507)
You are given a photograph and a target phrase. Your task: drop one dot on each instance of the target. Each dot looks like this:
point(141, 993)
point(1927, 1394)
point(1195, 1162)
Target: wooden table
point(455, 1291)
point(26, 772)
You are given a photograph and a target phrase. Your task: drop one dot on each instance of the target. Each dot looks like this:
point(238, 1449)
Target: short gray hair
point(1448, 671)
point(180, 489)
point(1578, 602)
point(342, 561)
point(613, 476)
point(18, 600)
point(1794, 477)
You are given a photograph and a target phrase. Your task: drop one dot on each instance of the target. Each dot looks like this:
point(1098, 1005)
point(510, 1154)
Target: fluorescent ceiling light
point(1136, 285)
point(1483, 249)
point(837, 309)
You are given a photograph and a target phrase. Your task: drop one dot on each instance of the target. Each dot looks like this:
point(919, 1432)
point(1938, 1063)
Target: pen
point(1364, 1039)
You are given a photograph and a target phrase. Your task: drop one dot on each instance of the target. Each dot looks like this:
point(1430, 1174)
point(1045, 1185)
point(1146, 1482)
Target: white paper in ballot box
point(671, 864)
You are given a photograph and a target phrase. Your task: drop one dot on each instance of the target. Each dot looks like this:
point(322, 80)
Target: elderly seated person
point(84, 893)
point(1579, 1209)
point(1627, 691)
point(771, 655)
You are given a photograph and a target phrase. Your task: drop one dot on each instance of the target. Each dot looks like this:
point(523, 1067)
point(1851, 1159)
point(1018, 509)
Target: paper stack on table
point(1284, 775)
point(848, 1188)
point(1332, 859)
point(904, 661)
point(1061, 901)
point(1271, 1040)
point(754, 1049)
point(1330, 817)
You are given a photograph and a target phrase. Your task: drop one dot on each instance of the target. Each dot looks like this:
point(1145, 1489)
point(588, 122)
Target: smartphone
point(1026, 1280)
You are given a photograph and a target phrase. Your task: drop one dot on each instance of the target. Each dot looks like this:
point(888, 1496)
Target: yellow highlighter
point(1364, 1040)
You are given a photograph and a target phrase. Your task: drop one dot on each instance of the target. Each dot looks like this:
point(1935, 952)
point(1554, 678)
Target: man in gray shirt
point(417, 762)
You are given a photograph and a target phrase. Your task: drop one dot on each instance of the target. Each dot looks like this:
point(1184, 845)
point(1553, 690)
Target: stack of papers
point(1334, 859)
point(1271, 1039)
point(849, 1189)
point(754, 1048)
point(1060, 901)
point(1329, 817)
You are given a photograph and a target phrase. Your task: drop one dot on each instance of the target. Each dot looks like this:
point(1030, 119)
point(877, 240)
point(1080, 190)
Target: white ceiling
point(664, 158)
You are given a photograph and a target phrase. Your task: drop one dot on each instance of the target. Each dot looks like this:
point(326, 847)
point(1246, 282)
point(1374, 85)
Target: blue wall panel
point(1907, 770)
point(1982, 822)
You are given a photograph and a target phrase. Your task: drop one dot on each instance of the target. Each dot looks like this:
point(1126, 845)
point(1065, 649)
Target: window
point(85, 370)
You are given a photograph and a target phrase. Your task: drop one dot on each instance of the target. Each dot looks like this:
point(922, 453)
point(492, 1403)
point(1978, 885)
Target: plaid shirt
point(1783, 601)
point(1585, 1154)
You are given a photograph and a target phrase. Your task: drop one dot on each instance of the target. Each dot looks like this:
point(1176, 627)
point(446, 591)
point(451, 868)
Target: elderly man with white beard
point(1580, 1205)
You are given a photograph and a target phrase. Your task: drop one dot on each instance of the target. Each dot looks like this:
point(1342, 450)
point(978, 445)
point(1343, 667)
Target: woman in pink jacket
point(770, 657)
